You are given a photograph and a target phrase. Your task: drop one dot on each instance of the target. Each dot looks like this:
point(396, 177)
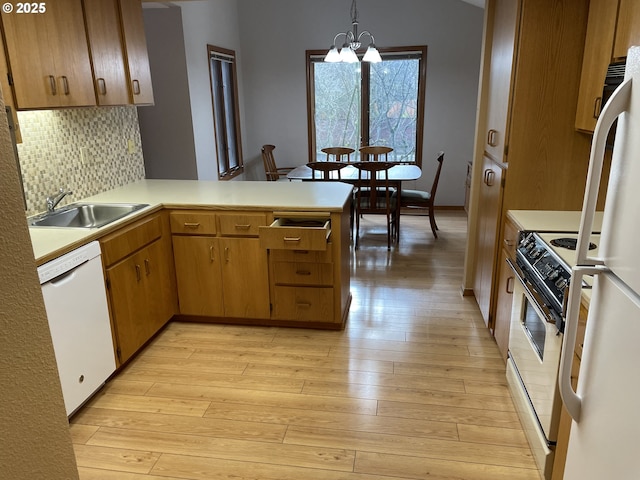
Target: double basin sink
point(85, 215)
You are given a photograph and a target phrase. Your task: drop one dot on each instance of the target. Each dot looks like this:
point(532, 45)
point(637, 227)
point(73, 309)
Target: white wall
point(275, 34)
point(212, 22)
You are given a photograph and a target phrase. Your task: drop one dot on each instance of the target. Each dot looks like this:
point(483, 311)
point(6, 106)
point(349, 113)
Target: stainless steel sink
point(85, 215)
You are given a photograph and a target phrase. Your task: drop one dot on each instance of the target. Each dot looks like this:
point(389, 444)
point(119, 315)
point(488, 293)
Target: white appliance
point(76, 303)
point(605, 430)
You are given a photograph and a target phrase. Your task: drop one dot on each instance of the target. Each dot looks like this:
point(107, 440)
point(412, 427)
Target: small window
point(224, 96)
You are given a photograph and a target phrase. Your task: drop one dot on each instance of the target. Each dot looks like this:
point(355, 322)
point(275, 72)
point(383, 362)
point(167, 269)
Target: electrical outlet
point(131, 147)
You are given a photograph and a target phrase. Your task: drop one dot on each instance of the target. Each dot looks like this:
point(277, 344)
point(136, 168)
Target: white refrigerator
point(605, 433)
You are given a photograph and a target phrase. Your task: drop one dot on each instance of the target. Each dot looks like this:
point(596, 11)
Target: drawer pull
point(303, 304)
point(508, 242)
point(191, 224)
point(292, 239)
point(303, 272)
point(243, 227)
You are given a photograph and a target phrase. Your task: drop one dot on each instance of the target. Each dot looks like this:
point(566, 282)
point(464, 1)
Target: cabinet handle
point(212, 257)
point(291, 239)
point(191, 224)
point(138, 276)
point(509, 286)
point(226, 254)
point(147, 267)
point(102, 86)
point(597, 105)
point(65, 85)
point(52, 84)
point(492, 138)
point(303, 304)
point(136, 87)
point(489, 178)
point(508, 242)
point(303, 272)
point(243, 227)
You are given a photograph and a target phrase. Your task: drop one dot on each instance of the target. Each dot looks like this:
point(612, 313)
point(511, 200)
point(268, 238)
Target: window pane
point(393, 106)
point(337, 105)
point(218, 112)
point(230, 121)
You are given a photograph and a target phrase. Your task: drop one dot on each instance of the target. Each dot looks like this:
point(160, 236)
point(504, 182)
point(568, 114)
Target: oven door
point(532, 371)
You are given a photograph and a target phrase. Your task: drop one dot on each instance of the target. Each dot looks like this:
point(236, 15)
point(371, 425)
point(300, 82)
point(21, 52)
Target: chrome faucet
point(53, 201)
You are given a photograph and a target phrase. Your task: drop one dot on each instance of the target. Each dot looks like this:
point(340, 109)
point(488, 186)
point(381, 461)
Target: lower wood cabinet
point(140, 282)
point(504, 295)
point(221, 271)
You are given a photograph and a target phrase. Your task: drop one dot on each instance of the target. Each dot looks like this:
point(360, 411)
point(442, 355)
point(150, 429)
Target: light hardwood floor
point(413, 388)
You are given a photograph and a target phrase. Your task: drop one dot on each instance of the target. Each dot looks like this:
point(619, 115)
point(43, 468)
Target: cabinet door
point(198, 274)
point(503, 39)
point(597, 56)
point(245, 278)
point(490, 201)
point(504, 297)
point(137, 56)
point(105, 41)
point(628, 28)
point(141, 297)
point(49, 57)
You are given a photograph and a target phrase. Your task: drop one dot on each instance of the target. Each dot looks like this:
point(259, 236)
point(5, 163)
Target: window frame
point(313, 56)
point(227, 172)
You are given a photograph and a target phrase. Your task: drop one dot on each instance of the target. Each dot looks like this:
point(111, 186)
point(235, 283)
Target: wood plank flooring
point(413, 388)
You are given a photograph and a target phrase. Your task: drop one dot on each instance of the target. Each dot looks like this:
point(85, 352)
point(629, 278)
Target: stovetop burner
point(569, 243)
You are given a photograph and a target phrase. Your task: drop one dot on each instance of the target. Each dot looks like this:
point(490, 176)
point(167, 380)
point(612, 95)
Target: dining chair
point(336, 154)
point(374, 153)
point(325, 168)
point(273, 172)
point(420, 199)
point(374, 195)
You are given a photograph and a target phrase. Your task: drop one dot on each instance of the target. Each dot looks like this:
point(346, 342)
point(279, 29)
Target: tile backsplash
point(85, 150)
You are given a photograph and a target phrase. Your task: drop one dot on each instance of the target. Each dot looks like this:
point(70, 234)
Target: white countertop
point(236, 195)
point(551, 221)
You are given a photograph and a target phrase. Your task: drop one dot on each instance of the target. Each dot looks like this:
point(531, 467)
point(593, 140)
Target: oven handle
point(572, 401)
point(533, 296)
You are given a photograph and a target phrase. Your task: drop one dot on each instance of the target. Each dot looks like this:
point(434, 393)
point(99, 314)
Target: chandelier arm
point(373, 40)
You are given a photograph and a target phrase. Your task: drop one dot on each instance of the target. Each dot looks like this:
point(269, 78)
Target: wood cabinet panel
point(504, 29)
point(137, 57)
point(241, 224)
point(305, 304)
point(193, 222)
point(198, 275)
point(628, 27)
point(102, 19)
point(294, 273)
point(601, 28)
point(49, 57)
point(503, 305)
point(245, 278)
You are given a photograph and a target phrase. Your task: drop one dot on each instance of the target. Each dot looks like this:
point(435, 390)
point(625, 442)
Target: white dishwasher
point(76, 303)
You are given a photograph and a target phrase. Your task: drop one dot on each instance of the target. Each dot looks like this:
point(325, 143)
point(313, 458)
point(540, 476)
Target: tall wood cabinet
point(544, 158)
point(49, 56)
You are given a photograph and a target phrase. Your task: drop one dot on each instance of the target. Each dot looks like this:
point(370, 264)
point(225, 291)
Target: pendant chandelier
point(352, 43)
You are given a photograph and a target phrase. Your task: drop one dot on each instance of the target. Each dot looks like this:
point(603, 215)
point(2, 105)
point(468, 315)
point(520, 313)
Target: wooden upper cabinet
point(49, 56)
point(105, 42)
point(503, 41)
point(628, 28)
point(136, 54)
point(598, 46)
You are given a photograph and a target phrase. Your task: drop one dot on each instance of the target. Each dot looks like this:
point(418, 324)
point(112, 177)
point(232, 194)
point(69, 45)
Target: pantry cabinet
point(48, 56)
point(543, 159)
point(140, 282)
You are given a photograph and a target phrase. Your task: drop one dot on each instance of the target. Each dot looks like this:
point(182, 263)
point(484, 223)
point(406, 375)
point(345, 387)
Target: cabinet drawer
point(193, 222)
point(288, 234)
point(129, 239)
point(312, 256)
point(308, 304)
point(241, 224)
point(510, 238)
point(289, 273)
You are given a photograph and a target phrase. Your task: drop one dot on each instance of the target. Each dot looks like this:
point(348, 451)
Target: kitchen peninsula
point(264, 253)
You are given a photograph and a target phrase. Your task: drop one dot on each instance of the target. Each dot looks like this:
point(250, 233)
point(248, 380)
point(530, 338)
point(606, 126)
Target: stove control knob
point(554, 274)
